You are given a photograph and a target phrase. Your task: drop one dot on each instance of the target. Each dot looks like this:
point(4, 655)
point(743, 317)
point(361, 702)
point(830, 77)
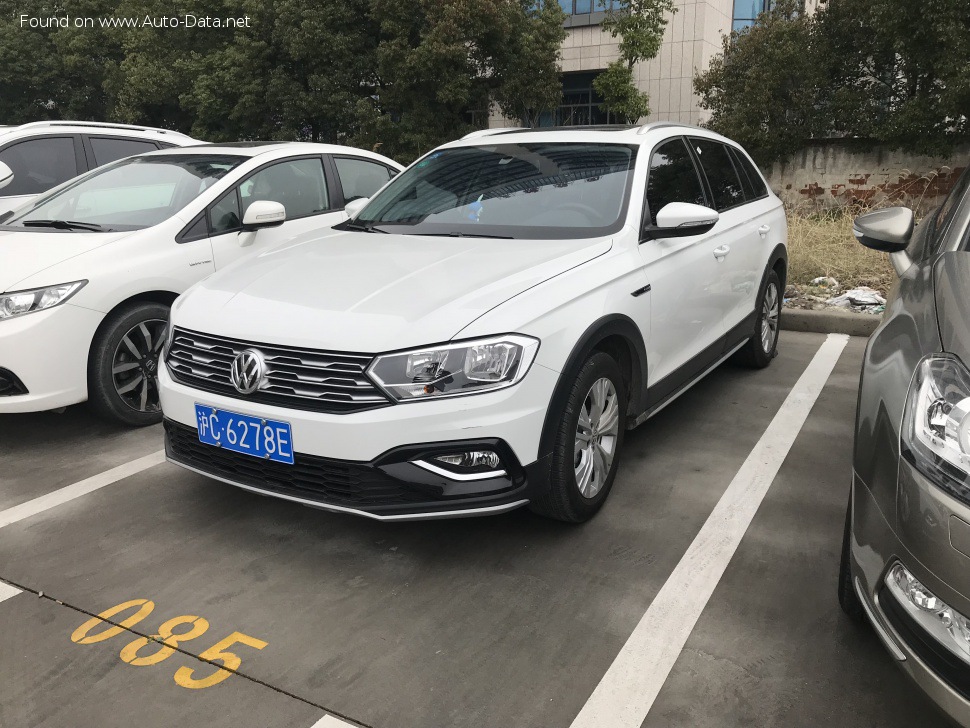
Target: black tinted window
point(297, 184)
point(949, 208)
point(38, 165)
point(721, 175)
point(673, 178)
point(360, 177)
point(224, 216)
point(110, 149)
point(754, 185)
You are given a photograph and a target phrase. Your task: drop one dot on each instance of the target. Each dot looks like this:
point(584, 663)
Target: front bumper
point(363, 462)
point(875, 548)
point(47, 352)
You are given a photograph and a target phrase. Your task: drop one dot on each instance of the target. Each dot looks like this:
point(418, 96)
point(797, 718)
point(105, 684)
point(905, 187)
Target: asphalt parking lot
point(504, 621)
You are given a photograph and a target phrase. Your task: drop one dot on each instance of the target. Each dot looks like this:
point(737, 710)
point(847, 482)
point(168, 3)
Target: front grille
point(322, 381)
point(338, 482)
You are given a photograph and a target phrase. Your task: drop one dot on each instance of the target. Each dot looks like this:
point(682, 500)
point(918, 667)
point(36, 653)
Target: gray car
point(906, 554)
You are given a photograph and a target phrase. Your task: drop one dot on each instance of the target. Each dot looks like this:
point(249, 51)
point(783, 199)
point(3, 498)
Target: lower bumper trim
point(887, 640)
point(427, 516)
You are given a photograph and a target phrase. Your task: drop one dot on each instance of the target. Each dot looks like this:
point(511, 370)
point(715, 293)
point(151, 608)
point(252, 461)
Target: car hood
point(371, 292)
point(25, 254)
point(953, 304)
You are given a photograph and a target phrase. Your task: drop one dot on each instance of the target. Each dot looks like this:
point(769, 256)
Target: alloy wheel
point(134, 366)
point(770, 312)
point(596, 436)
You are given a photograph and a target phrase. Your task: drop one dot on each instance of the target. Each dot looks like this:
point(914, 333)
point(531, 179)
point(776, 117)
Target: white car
point(88, 270)
point(480, 335)
point(38, 156)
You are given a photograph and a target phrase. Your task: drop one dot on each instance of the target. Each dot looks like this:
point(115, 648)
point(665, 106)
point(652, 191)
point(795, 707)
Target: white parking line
point(628, 689)
point(328, 721)
point(7, 591)
point(83, 487)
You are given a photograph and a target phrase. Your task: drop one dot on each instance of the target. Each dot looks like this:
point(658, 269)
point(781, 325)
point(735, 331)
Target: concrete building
point(692, 38)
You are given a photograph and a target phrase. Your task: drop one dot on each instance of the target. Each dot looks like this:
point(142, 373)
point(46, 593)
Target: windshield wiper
point(347, 225)
point(457, 234)
point(64, 225)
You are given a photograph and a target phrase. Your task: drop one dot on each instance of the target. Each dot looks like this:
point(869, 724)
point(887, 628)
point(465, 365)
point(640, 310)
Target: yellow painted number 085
point(167, 641)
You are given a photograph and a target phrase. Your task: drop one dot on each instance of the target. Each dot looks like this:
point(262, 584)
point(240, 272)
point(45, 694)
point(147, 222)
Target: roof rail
point(490, 132)
point(651, 125)
point(99, 125)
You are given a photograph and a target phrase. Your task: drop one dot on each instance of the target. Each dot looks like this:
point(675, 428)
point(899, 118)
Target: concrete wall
point(831, 173)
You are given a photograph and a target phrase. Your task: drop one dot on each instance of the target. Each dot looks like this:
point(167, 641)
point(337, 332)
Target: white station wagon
point(89, 269)
point(481, 333)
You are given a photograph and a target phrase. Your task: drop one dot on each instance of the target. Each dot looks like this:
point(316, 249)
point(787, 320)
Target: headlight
point(451, 370)
point(24, 302)
point(936, 424)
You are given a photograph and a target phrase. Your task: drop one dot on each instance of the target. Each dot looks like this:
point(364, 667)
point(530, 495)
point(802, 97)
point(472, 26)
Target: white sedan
point(89, 269)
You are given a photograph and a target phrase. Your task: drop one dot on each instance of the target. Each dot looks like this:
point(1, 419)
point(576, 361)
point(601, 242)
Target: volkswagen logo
point(247, 371)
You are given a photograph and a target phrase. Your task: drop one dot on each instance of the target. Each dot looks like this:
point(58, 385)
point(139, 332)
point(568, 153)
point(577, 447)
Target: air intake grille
point(322, 381)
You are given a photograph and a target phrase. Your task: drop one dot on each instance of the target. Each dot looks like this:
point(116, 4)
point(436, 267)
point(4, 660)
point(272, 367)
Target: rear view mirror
point(353, 207)
point(262, 214)
point(681, 220)
point(888, 231)
point(6, 175)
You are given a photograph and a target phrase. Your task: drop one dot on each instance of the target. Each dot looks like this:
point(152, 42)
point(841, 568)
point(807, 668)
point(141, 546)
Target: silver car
point(906, 554)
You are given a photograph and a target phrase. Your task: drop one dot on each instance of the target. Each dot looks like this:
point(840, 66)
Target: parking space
point(504, 621)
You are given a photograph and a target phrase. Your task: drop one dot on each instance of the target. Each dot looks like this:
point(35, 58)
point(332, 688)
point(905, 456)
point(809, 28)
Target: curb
point(829, 322)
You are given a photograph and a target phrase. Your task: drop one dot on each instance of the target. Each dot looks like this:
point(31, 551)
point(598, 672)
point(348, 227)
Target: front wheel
point(587, 447)
point(762, 347)
point(123, 368)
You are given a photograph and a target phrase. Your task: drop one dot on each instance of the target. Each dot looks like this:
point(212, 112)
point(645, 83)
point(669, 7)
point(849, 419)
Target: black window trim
point(79, 159)
point(645, 215)
point(337, 184)
point(707, 182)
point(742, 157)
point(89, 148)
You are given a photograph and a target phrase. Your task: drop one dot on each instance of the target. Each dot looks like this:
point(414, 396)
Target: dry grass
point(820, 243)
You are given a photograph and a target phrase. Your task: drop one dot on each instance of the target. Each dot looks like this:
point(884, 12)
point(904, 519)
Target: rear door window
point(111, 149)
point(38, 165)
point(673, 178)
point(360, 177)
point(721, 174)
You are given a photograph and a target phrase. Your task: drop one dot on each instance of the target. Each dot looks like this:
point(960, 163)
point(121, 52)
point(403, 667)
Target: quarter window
point(38, 165)
point(110, 149)
point(224, 217)
point(360, 177)
point(673, 178)
point(754, 184)
point(297, 184)
point(721, 175)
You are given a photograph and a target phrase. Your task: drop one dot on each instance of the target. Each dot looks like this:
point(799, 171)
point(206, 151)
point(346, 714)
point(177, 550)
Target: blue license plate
point(267, 439)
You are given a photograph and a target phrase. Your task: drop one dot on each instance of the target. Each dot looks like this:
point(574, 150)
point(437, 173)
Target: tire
point(762, 347)
point(123, 365)
point(581, 481)
point(848, 598)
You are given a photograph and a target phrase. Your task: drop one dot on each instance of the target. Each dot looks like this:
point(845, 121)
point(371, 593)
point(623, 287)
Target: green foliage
point(889, 72)
point(640, 26)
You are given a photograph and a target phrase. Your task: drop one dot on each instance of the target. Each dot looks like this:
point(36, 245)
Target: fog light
point(468, 465)
point(946, 625)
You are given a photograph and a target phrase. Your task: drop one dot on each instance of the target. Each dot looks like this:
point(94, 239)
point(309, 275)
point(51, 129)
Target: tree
point(763, 90)
point(640, 25)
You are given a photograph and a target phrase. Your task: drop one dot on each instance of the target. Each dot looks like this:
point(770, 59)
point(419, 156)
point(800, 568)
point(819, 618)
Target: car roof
point(272, 149)
point(89, 127)
point(606, 133)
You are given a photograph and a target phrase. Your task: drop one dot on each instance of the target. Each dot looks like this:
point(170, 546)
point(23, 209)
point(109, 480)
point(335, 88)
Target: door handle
point(764, 230)
point(721, 252)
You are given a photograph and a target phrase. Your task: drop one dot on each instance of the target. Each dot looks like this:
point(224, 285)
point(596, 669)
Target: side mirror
point(355, 206)
point(263, 214)
point(888, 231)
point(681, 220)
point(6, 175)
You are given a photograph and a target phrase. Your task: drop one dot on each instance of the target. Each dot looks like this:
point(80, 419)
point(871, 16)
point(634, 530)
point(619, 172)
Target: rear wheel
point(848, 598)
point(762, 347)
point(123, 369)
point(587, 447)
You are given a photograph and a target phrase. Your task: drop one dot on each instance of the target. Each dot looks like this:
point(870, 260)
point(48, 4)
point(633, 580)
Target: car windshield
point(540, 190)
point(132, 194)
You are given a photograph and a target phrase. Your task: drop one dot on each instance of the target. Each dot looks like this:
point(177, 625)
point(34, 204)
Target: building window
point(580, 103)
point(585, 7)
point(746, 11)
